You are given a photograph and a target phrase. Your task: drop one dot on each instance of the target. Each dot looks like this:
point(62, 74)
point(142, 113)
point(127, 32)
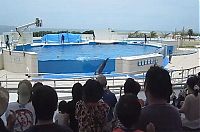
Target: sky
point(160, 15)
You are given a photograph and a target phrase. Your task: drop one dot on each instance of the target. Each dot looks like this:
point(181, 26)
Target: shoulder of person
point(190, 96)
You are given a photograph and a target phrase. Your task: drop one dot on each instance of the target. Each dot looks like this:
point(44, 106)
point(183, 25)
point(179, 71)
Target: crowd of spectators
point(95, 108)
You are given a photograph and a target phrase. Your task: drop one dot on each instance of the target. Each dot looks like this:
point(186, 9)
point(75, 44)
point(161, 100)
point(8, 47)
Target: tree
point(88, 32)
point(190, 33)
point(153, 34)
point(164, 35)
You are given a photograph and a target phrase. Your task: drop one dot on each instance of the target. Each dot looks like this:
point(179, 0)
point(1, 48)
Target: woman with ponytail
point(191, 105)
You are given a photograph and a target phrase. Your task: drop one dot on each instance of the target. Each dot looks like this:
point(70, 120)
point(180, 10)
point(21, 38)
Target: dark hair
point(77, 92)
point(131, 86)
point(128, 110)
point(45, 101)
point(158, 82)
point(37, 84)
point(62, 107)
point(93, 91)
point(191, 82)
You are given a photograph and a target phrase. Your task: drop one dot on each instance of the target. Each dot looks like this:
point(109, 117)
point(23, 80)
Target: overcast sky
point(163, 15)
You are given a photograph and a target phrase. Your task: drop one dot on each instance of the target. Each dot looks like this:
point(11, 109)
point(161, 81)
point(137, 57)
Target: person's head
point(24, 92)
point(198, 74)
point(102, 80)
point(193, 84)
point(4, 98)
point(45, 101)
point(92, 92)
point(62, 106)
point(27, 82)
point(158, 83)
point(131, 87)
point(77, 91)
point(36, 85)
point(128, 110)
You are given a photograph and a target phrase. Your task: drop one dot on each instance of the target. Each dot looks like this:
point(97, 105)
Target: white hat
point(4, 98)
point(24, 93)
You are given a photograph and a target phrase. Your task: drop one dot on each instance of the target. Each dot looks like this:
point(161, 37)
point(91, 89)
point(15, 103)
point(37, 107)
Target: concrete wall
point(186, 60)
point(19, 62)
point(103, 34)
point(137, 64)
point(87, 37)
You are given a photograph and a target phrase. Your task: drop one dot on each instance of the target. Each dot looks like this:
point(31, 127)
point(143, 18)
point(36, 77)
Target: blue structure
point(56, 38)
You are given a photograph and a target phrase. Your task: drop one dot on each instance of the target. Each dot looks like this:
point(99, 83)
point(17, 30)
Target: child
point(128, 112)
point(62, 118)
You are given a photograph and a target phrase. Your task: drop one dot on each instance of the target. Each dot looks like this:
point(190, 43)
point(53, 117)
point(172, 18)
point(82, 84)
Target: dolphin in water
point(101, 67)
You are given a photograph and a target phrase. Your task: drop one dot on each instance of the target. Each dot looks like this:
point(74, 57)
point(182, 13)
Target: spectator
point(45, 101)
point(22, 110)
point(109, 98)
point(91, 113)
point(158, 88)
point(62, 118)
point(133, 87)
point(4, 98)
point(191, 105)
point(77, 96)
point(128, 111)
point(37, 85)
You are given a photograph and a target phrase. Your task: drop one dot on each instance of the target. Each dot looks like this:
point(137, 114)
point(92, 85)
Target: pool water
point(90, 52)
point(83, 58)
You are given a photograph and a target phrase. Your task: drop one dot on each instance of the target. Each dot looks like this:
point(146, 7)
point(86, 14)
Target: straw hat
point(4, 98)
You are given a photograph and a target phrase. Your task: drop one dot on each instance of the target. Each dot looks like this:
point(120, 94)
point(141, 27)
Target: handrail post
point(120, 92)
point(182, 78)
point(54, 83)
point(6, 81)
point(113, 81)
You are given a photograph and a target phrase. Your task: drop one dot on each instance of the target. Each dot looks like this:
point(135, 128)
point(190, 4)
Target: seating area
point(95, 106)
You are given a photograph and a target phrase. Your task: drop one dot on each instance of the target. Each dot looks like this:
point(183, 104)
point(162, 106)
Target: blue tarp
point(56, 38)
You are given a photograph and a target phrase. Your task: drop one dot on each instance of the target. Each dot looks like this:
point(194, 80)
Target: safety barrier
point(178, 78)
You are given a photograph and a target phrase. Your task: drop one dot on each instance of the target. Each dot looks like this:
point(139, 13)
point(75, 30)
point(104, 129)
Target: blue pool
point(83, 58)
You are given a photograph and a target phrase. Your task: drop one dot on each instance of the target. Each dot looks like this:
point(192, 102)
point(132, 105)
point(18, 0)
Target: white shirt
point(25, 115)
point(191, 107)
point(191, 110)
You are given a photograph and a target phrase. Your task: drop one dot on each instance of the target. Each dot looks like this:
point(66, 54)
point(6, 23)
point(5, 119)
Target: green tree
point(153, 34)
point(88, 32)
point(75, 32)
point(164, 35)
point(190, 33)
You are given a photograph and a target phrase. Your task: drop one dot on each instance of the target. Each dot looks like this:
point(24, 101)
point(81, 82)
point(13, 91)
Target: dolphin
point(101, 67)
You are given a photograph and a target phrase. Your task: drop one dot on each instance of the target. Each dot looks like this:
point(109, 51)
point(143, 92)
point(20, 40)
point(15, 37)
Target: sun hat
point(4, 98)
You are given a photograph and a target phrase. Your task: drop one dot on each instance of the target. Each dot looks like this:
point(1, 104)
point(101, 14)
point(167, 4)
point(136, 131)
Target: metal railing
point(178, 78)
